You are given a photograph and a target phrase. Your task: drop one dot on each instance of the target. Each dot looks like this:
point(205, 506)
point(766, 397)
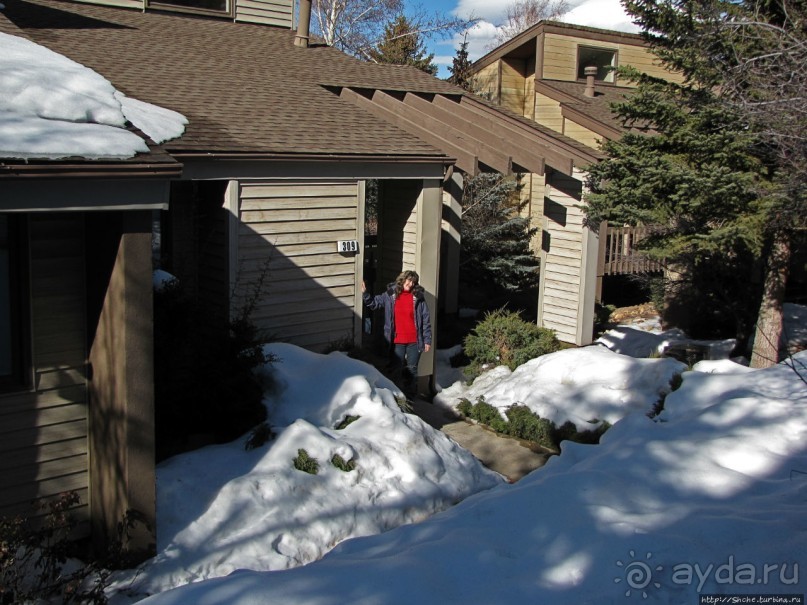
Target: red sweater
point(405, 330)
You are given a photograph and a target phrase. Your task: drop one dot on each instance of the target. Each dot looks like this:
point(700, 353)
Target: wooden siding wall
point(514, 84)
point(560, 57)
point(561, 257)
point(287, 236)
point(398, 229)
point(267, 12)
point(43, 432)
point(548, 113)
point(486, 82)
point(581, 134)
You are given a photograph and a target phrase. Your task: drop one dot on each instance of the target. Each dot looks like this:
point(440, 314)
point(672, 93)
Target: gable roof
point(249, 92)
point(523, 44)
point(244, 88)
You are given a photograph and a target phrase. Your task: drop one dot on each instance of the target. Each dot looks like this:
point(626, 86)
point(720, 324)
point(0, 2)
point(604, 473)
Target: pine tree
point(403, 45)
point(495, 249)
point(712, 161)
point(461, 67)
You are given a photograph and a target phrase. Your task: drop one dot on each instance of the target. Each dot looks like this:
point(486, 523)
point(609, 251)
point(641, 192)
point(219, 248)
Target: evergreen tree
point(403, 45)
point(461, 67)
point(495, 249)
point(708, 161)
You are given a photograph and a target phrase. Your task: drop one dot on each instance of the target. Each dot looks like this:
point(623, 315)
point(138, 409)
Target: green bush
point(304, 462)
point(503, 338)
point(342, 464)
point(346, 421)
point(526, 424)
point(523, 423)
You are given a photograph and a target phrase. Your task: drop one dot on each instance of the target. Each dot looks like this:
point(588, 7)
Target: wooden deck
point(618, 254)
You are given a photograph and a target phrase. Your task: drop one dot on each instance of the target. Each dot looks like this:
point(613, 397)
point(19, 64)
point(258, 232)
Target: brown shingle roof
point(597, 108)
point(244, 88)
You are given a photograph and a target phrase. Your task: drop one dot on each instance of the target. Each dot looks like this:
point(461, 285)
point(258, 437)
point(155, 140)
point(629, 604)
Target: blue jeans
point(409, 356)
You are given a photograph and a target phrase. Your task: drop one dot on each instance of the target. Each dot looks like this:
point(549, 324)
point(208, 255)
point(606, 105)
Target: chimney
point(303, 24)
point(591, 74)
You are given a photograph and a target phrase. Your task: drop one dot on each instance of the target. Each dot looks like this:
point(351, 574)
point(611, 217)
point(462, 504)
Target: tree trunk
point(769, 321)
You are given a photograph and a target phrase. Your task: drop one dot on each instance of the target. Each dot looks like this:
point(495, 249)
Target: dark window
point(12, 316)
point(601, 58)
point(196, 6)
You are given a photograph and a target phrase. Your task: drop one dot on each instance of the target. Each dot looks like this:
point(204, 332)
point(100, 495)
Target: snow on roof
point(52, 107)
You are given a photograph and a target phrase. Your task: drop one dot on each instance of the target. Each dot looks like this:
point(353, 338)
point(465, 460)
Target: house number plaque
point(347, 245)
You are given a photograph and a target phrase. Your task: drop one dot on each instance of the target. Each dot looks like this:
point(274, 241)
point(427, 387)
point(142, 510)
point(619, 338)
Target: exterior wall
point(287, 237)
point(582, 134)
point(560, 57)
point(397, 239)
point(43, 430)
point(564, 272)
point(548, 113)
point(268, 12)
point(514, 85)
point(122, 386)
point(487, 82)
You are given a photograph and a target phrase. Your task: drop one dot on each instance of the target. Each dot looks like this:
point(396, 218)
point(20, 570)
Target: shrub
point(526, 424)
point(203, 372)
point(503, 338)
point(347, 420)
point(33, 557)
point(304, 462)
point(523, 423)
point(259, 436)
point(342, 464)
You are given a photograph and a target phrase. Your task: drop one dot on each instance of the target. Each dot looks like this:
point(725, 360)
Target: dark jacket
point(386, 300)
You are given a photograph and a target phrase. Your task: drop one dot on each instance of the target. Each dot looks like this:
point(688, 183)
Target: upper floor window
point(12, 366)
point(197, 6)
point(603, 59)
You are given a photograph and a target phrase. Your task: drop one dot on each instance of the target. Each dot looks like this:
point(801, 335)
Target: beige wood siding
point(43, 431)
point(486, 82)
point(560, 57)
point(398, 223)
point(529, 97)
point(582, 134)
point(513, 84)
point(561, 257)
point(139, 4)
point(287, 237)
point(267, 12)
point(548, 113)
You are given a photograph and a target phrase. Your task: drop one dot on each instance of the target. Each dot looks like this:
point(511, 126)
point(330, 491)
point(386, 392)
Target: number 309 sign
point(347, 245)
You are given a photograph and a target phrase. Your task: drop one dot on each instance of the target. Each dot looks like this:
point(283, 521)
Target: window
point(602, 58)
point(12, 367)
point(197, 6)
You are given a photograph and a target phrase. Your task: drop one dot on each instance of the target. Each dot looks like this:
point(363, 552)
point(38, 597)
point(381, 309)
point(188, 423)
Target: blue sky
point(607, 14)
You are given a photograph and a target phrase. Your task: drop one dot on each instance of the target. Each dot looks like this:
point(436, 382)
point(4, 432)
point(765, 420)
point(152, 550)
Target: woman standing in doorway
point(407, 323)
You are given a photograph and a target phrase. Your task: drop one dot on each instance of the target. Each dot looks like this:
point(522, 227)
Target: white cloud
point(605, 14)
point(489, 10)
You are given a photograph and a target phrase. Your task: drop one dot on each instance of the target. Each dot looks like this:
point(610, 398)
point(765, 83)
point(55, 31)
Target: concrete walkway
point(505, 455)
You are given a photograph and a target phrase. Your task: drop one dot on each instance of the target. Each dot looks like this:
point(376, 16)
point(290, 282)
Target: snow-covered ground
point(223, 508)
point(707, 498)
